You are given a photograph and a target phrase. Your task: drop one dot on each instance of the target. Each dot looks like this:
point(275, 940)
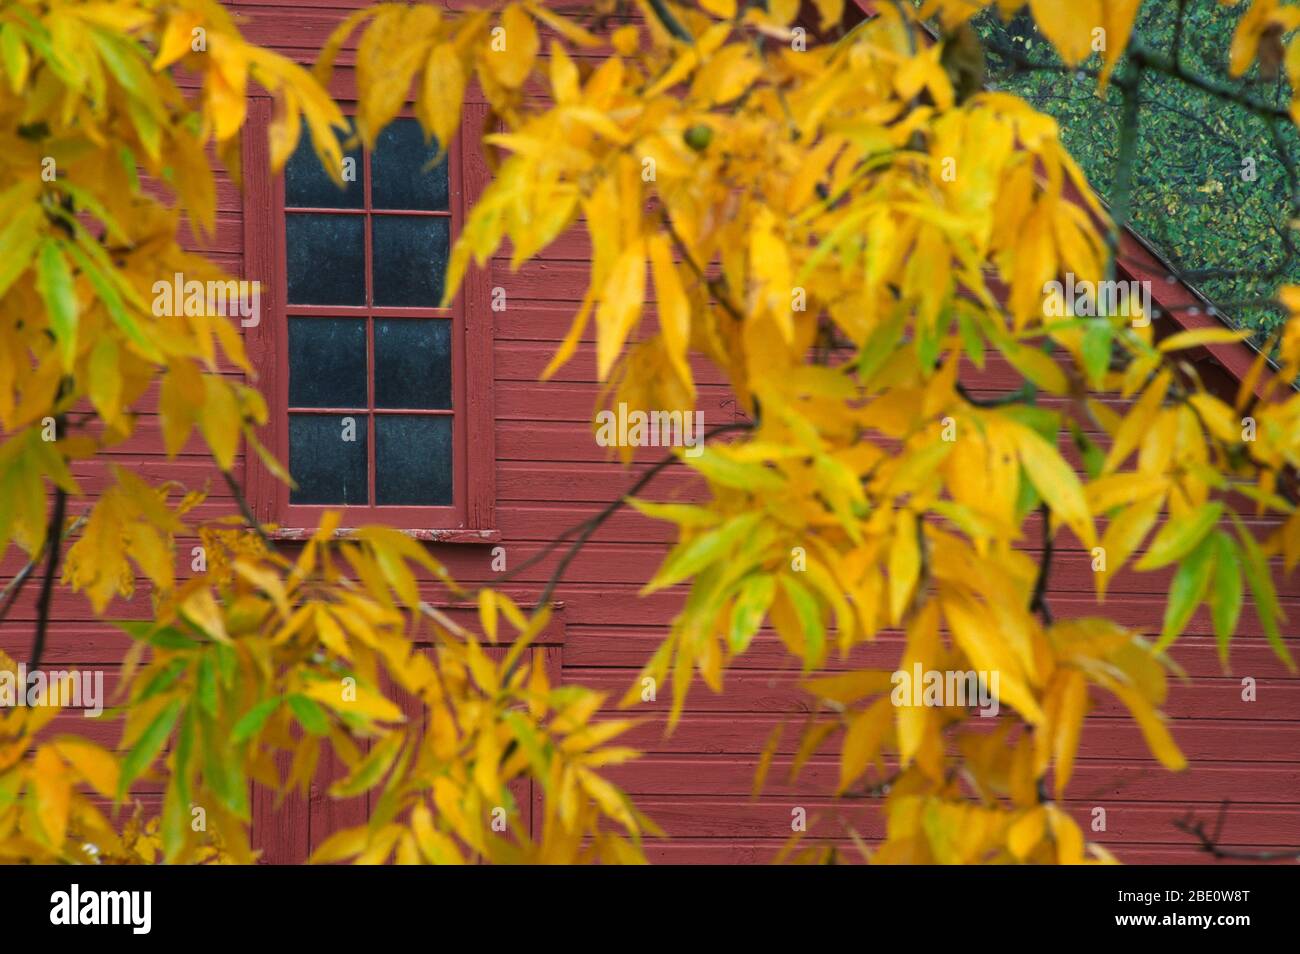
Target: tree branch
point(1209, 843)
point(1121, 205)
point(670, 22)
point(1024, 394)
point(1038, 601)
point(247, 512)
point(593, 523)
point(53, 545)
point(716, 288)
point(14, 587)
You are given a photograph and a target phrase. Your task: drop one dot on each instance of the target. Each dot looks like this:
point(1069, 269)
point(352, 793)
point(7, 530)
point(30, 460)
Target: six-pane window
point(370, 353)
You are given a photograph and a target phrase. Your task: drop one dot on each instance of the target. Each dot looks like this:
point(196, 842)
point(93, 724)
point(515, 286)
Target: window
point(380, 399)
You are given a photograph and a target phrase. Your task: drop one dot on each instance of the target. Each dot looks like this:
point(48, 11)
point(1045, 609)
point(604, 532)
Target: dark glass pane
point(413, 459)
point(326, 258)
point(327, 362)
point(410, 259)
point(413, 362)
point(328, 467)
point(308, 186)
point(400, 174)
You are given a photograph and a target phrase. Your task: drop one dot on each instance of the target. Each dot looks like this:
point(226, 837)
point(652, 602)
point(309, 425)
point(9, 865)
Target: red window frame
point(471, 517)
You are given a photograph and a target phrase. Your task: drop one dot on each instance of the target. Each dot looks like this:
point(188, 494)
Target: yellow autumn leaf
point(342, 845)
point(487, 612)
point(1150, 721)
point(1119, 16)
point(201, 609)
point(726, 9)
point(177, 38)
point(1201, 336)
point(862, 742)
point(904, 564)
point(443, 92)
point(1070, 25)
point(1072, 706)
point(513, 51)
point(987, 647)
point(674, 308)
point(53, 794)
point(1027, 831)
point(348, 697)
point(1056, 482)
point(220, 420)
point(620, 306)
point(93, 763)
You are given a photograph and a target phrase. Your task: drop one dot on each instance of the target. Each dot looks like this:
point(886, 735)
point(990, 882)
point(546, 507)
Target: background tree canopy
point(1213, 184)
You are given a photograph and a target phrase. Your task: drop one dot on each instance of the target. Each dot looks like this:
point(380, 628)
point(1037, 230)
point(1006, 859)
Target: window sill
point(428, 536)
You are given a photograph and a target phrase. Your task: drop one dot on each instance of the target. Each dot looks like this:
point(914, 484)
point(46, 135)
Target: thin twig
point(14, 587)
point(1038, 602)
point(1121, 206)
point(1176, 54)
point(54, 545)
point(670, 22)
point(1022, 395)
point(1191, 825)
point(592, 524)
point(247, 512)
point(716, 288)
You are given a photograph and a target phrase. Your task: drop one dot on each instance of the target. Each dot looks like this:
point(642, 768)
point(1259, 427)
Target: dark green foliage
point(1192, 193)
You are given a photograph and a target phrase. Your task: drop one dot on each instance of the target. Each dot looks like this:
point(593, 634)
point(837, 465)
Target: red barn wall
point(550, 474)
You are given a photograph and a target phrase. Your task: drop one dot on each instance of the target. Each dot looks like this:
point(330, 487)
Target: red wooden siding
point(548, 473)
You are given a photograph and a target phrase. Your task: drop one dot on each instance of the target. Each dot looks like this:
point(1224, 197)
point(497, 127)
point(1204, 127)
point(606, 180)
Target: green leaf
point(1177, 538)
point(114, 290)
point(16, 58)
point(86, 201)
point(684, 515)
point(1094, 458)
point(720, 469)
point(175, 815)
point(148, 746)
point(1037, 368)
point(751, 605)
point(253, 720)
point(1042, 421)
point(367, 773)
point(19, 239)
point(687, 559)
point(1096, 349)
point(309, 715)
point(221, 767)
point(227, 664)
point(167, 637)
point(1267, 607)
point(207, 685)
point(54, 282)
point(1027, 498)
point(183, 753)
point(927, 345)
point(972, 342)
point(532, 746)
point(810, 620)
point(880, 346)
point(162, 680)
point(1226, 596)
point(1185, 592)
